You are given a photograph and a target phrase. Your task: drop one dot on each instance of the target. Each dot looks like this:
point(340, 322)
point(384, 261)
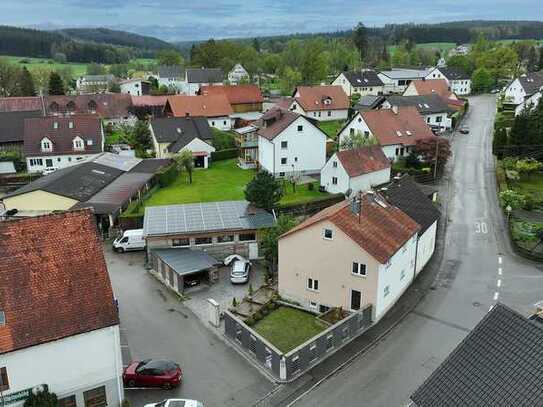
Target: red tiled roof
point(53, 280)
point(284, 103)
point(432, 87)
point(313, 98)
point(363, 160)
point(149, 100)
point(87, 127)
point(405, 127)
point(240, 94)
point(107, 105)
point(199, 106)
point(381, 230)
point(21, 104)
point(274, 121)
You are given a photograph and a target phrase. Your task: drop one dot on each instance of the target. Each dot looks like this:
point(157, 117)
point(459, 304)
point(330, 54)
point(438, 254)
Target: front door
point(356, 299)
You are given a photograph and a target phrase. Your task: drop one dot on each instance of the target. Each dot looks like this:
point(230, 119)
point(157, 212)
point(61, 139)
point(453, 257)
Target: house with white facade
point(365, 82)
point(397, 80)
point(362, 252)
point(238, 74)
point(51, 143)
point(290, 144)
point(405, 194)
point(94, 83)
point(198, 77)
point(397, 130)
point(171, 135)
point(351, 171)
point(433, 108)
point(531, 102)
point(136, 87)
point(172, 77)
point(322, 103)
point(523, 87)
point(59, 323)
point(458, 80)
point(215, 108)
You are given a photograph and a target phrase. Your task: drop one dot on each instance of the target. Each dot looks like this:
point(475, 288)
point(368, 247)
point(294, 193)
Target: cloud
point(193, 20)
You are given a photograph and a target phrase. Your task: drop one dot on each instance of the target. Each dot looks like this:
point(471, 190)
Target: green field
point(45, 63)
point(444, 47)
point(332, 128)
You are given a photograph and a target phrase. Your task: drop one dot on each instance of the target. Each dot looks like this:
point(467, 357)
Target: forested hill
point(114, 37)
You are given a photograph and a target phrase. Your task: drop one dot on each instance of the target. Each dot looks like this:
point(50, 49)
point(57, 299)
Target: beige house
point(350, 255)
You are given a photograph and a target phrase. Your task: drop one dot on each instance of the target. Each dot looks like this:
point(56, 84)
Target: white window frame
point(311, 286)
point(359, 269)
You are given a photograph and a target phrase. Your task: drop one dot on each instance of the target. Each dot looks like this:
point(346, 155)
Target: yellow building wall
point(39, 201)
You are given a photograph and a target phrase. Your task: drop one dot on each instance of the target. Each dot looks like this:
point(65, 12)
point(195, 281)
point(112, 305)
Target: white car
point(176, 403)
point(240, 272)
point(231, 258)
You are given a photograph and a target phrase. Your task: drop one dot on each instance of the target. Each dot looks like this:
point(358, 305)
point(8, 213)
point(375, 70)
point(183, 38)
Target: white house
point(171, 135)
point(51, 143)
point(433, 108)
point(290, 144)
point(94, 83)
point(172, 77)
point(322, 103)
point(365, 82)
point(531, 102)
point(352, 171)
point(405, 194)
point(397, 80)
point(195, 78)
point(397, 130)
point(136, 87)
point(362, 252)
point(459, 81)
point(523, 87)
point(238, 74)
point(65, 334)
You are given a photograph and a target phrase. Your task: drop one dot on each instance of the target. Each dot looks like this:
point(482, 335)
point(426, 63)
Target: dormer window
point(92, 106)
point(53, 107)
point(70, 125)
point(55, 125)
point(78, 144)
point(46, 145)
point(70, 107)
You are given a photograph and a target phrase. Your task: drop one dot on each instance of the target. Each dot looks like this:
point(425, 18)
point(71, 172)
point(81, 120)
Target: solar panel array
point(203, 217)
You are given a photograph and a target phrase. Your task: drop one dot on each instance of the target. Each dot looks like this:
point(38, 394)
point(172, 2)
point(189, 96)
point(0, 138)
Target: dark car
point(152, 373)
point(464, 130)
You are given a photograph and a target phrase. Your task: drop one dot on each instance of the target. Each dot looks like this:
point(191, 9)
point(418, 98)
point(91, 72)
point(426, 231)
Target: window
point(334, 164)
point(225, 239)
point(281, 174)
point(386, 291)
point(92, 106)
point(213, 123)
point(224, 122)
point(334, 180)
point(351, 131)
point(283, 160)
point(55, 125)
point(78, 144)
point(329, 113)
point(402, 276)
point(90, 142)
point(313, 305)
point(312, 284)
point(439, 119)
point(328, 234)
point(2, 318)
point(48, 162)
point(284, 144)
point(366, 134)
point(95, 397)
point(181, 242)
point(295, 159)
point(46, 145)
point(58, 159)
point(4, 381)
point(247, 237)
point(199, 241)
point(70, 125)
point(300, 128)
point(67, 401)
point(359, 269)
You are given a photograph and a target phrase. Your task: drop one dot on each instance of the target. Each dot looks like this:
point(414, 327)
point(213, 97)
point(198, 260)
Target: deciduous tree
point(185, 161)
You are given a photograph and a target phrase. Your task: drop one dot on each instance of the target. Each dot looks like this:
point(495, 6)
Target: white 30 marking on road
point(481, 227)
point(499, 283)
point(500, 271)
point(496, 295)
point(500, 260)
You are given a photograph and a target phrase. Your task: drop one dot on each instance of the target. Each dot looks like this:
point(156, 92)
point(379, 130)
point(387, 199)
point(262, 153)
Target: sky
point(183, 20)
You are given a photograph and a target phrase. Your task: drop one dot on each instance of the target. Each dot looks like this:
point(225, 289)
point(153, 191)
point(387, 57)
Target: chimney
point(395, 109)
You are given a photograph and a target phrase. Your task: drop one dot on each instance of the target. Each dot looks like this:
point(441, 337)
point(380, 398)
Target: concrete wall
point(221, 123)
point(39, 201)
point(426, 247)
point(70, 366)
point(306, 254)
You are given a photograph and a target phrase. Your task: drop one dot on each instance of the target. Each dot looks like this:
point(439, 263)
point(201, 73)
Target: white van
point(129, 240)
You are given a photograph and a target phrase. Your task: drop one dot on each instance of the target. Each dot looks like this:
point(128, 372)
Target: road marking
point(500, 260)
point(496, 295)
point(490, 309)
point(500, 271)
point(499, 283)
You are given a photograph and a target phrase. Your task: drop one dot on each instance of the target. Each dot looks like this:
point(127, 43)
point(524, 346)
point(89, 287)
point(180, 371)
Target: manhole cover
point(476, 304)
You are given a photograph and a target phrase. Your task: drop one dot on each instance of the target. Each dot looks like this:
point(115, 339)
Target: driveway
point(155, 324)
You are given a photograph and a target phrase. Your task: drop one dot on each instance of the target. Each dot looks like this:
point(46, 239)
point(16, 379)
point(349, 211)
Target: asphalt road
point(478, 269)
point(154, 324)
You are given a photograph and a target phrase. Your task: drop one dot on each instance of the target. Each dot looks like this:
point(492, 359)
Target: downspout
point(416, 256)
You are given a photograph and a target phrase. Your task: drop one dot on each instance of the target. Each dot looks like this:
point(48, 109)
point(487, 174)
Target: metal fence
point(287, 367)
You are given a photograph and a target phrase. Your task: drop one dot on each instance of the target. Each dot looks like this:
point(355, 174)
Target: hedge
point(168, 176)
point(225, 154)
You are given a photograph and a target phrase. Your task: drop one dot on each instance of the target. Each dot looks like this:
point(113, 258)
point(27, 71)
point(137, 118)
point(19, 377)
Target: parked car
point(464, 130)
point(191, 281)
point(48, 171)
point(130, 240)
point(176, 403)
point(239, 273)
point(152, 373)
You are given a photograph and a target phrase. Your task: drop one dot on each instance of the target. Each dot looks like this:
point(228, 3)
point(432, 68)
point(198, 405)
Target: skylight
point(408, 133)
point(398, 133)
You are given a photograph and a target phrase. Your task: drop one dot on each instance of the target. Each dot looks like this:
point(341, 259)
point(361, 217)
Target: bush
point(224, 154)
point(257, 316)
point(270, 306)
point(530, 202)
point(250, 321)
point(168, 176)
point(265, 311)
point(223, 140)
point(310, 186)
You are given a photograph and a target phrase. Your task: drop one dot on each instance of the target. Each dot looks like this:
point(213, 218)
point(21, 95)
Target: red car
point(152, 373)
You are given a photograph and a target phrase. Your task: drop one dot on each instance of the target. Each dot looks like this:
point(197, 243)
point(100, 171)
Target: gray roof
point(453, 73)
point(7, 167)
point(363, 78)
point(79, 182)
point(121, 162)
point(171, 71)
point(180, 131)
point(531, 82)
point(369, 102)
point(425, 104)
point(186, 261)
point(499, 363)
point(98, 78)
point(152, 165)
point(406, 73)
point(12, 125)
point(205, 75)
point(204, 217)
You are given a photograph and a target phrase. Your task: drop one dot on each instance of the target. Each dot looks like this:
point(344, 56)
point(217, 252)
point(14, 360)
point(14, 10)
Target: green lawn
point(47, 63)
point(332, 128)
point(531, 184)
point(286, 328)
point(302, 194)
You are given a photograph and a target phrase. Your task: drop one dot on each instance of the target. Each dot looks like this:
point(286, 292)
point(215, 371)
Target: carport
point(174, 266)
